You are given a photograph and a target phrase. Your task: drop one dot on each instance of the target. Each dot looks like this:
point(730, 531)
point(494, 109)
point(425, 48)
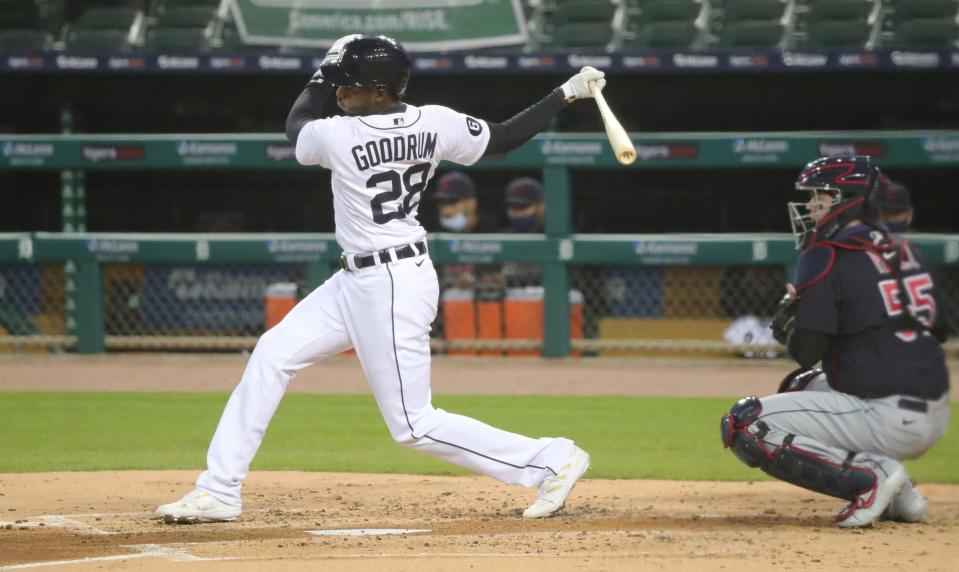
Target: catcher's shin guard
point(743, 433)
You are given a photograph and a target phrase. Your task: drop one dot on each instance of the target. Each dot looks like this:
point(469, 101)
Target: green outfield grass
point(628, 437)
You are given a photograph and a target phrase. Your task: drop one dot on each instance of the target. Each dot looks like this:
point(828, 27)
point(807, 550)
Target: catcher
point(865, 305)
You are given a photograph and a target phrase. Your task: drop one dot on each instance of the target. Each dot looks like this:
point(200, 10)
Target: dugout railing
point(64, 290)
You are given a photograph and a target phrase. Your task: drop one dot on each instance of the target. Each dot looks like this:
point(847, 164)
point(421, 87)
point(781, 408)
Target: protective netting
point(615, 310)
point(32, 305)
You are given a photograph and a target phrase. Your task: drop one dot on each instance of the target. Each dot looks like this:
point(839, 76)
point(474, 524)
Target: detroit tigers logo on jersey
point(381, 165)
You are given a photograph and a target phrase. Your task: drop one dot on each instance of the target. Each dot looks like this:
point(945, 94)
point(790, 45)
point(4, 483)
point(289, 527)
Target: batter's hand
point(577, 87)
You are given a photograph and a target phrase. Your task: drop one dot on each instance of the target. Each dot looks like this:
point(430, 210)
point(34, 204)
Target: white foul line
point(146, 551)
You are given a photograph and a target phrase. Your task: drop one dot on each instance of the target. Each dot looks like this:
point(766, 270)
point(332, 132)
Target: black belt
point(408, 251)
point(913, 405)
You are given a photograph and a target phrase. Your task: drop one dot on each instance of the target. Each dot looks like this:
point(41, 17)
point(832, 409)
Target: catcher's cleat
point(197, 506)
point(867, 507)
point(907, 506)
point(555, 489)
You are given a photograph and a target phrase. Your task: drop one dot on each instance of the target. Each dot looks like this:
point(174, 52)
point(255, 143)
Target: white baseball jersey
point(381, 165)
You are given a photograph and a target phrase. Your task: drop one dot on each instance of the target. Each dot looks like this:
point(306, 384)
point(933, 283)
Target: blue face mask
point(455, 223)
point(524, 223)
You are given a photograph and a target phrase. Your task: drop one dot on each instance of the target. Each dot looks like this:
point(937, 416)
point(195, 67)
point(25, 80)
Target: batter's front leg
point(312, 331)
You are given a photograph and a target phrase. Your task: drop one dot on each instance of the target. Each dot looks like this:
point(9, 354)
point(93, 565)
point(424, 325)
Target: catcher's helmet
point(368, 61)
point(853, 181)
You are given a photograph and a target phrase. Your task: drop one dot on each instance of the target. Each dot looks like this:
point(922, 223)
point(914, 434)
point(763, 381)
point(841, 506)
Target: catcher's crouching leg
point(752, 441)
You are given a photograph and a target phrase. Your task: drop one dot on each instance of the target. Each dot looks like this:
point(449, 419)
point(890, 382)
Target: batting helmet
point(368, 61)
point(853, 181)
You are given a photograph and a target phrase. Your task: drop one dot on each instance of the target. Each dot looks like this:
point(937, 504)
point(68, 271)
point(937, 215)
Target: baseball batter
point(865, 305)
point(382, 154)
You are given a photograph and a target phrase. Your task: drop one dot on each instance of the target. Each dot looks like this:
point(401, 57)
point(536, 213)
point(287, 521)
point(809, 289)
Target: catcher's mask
point(368, 61)
point(851, 181)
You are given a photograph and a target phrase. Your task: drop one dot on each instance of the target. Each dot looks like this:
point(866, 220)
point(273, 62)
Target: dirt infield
point(468, 522)
point(88, 521)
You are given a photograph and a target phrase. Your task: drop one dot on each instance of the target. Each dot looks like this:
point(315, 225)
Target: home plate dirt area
point(329, 521)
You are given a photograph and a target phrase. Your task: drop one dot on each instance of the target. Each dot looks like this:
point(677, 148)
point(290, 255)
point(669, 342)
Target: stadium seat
point(924, 9)
point(188, 17)
point(838, 34)
point(750, 34)
point(925, 23)
point(11, 40)
point(98, 41)
point(667, 10)
point(106, 19)
point(753, 10)
point(840, 10)
point(579, 23)
point(20, 26)
point(18, 14)
point(664, 35)
point(102, 29)
point(176, 39)
point(837, 23)
point(661, 24)
point(925, 32)
point(747, 23)
point(163, 5)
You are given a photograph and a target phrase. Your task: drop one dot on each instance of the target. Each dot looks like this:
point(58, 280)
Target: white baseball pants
point(384, 312)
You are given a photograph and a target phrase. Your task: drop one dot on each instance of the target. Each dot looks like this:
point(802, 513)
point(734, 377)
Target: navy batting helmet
point(853, 182)
point(368, 61)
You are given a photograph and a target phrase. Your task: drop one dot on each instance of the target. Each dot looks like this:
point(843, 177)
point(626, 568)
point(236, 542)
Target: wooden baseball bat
point(618, 138)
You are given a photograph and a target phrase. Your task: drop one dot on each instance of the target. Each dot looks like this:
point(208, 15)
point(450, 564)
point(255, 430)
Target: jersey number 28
point(921, 303)
point(413, 181)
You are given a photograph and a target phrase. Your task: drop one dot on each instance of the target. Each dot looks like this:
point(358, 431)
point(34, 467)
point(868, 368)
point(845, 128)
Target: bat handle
point(594, 89)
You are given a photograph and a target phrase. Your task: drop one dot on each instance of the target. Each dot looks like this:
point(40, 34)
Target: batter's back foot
point(554, 490)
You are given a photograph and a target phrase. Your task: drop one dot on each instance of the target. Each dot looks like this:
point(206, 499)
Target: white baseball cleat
point(907, 506)
point(868, 507)
point(555, 489)
point(198, 506)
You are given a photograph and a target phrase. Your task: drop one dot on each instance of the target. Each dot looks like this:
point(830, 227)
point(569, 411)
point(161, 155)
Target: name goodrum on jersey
point(400, 148)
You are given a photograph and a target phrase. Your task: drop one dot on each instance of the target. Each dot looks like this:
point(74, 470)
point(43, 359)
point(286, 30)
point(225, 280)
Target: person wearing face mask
point(456, 202)
point(524, 205)
point(525, 210)
point(457, 210)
